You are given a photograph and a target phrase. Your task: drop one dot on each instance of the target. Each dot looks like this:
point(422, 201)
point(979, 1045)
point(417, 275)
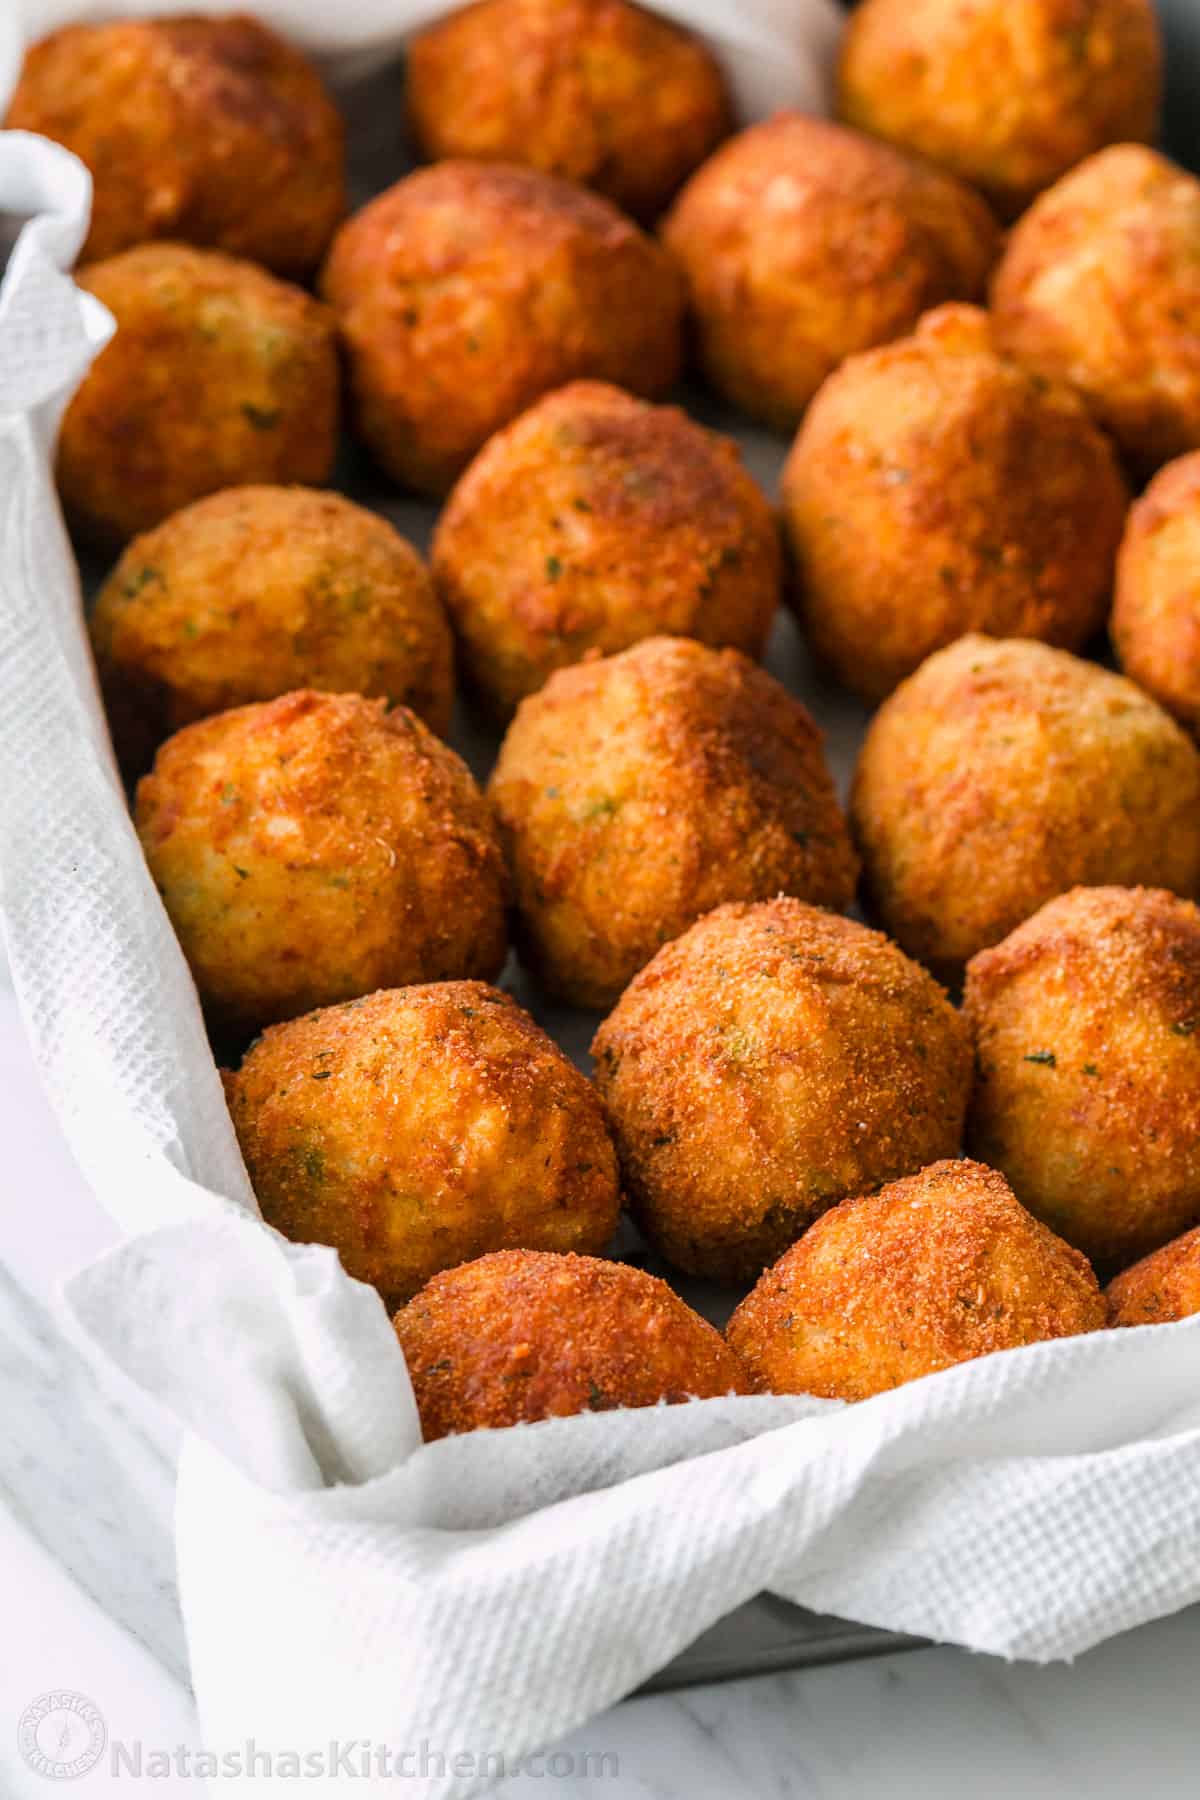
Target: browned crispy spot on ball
point(596, 520)
point(802, 242)
point(420, 1126)
point(468, 290)
point(598, 91)
point(769, 1062)
point(213, 131)
point(1087, 1035)
point(255, 591)
point(1003, 773)
point(636, 793)
point(219, 374)
point(519, 1336)
point(1156, 610)
point(1163, 1287)
point(1007, 96)
point(312, 848)
point(1099, 286)
point(937, 487)
point(933, 1270)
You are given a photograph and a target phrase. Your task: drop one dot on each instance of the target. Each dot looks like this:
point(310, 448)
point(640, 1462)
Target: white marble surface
point(85, 1542)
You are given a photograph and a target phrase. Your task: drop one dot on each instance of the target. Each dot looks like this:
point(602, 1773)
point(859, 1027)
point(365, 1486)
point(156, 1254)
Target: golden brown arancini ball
point(598, 91)
point(522, 1335)
point(313, 848)
point(802, 242)
point(933, 1270)
point(1100, 287)
point(769, 1062)
point(936, 488)
point(1003, 773)
point(212, 131)
point(255, 591)
point(595, 520)
point(420, 1126)
point(1087, 1040)
point(1155, 621)
point(1006, 94)
point(468, 290)
point(1163, 1287)
point(636, 793)
point(218, 374)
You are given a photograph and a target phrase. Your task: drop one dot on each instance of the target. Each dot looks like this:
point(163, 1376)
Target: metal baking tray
point(767, 1634)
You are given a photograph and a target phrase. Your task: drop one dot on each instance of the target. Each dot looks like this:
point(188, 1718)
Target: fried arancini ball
point(637, 793)
point(313, 848)
point(769, 1062)
point(598, 91)
point(1004, 773)
point(936, 488)
point(933, 1270)
point(1163, 1287)
point(255, 591)
point(1006, 94)
point(212, 131)
point(218, 374)
point(1086, 1022)
point(802, 242)
point(420, 1126)
point(468, 290)
point(1155, 621)
point(1100, 287)
point(522, 1335)
point(595, 520)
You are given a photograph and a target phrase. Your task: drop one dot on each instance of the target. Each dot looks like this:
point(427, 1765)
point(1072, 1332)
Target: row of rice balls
point(214, 131)
point(948, 481)
point(780, 1087)
point(469, 289)
point(767, 1062)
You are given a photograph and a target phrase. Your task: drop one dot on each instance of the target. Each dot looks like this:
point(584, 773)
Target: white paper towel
point(475, 1598)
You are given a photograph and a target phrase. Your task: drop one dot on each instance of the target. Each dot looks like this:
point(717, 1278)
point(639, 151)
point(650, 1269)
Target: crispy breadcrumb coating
point(420, 1126)
point(933, 1270)
point(519, 1336)
point(769, 1062)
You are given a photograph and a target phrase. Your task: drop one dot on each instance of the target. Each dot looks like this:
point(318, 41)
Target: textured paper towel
point(484, 1594)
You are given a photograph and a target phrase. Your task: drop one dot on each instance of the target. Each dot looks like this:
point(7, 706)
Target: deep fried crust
point(219, 374)
point(595, 520)
point(468, 290)
point(1100, 287)
point(598, 91)
point(212, 131)
point(769, 1062)
point(936, 488)
point(1163, 1287)
point(519, 1336)
point(931, 1271)
point(255, 591)
point(803, 242)
point(1004, 773)
point(1086, 1022)
point(1006, 95)
point(316, 847)
point(637, 793)
point(1156, 610)
point(420, 1126)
